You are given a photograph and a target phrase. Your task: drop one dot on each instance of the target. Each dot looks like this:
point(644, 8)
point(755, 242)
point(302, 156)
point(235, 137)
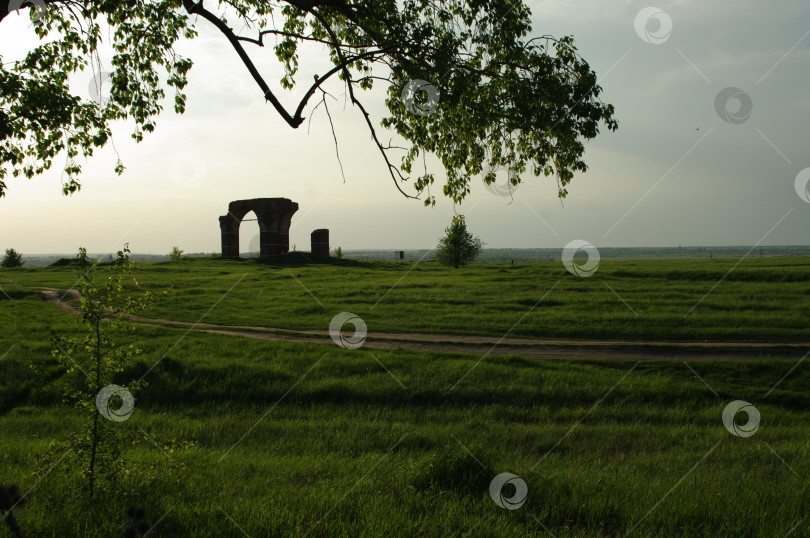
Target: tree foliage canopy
point(458, 246)
point(466, 81)
point(12, 258)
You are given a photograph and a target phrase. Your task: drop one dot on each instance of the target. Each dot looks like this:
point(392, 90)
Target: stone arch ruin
point(273, 216)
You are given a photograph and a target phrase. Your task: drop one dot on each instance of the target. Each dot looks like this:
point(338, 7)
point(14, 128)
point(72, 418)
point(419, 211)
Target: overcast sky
point(675, 173)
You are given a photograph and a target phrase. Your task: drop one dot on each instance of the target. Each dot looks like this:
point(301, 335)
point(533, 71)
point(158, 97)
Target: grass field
point(299, 439)
point(765, 300)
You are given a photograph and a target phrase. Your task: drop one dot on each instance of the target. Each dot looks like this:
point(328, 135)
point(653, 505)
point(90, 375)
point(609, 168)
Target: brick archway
point(274, 216)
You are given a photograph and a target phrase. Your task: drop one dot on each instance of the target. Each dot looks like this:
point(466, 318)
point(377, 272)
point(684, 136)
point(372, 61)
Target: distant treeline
point(495, 255)
point(525, 255)
point(43, 260)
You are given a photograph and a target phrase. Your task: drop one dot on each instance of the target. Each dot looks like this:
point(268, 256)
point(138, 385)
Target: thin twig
point(334, 136)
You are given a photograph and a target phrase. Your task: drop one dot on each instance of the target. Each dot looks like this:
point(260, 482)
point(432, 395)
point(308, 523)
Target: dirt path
point(486, 345)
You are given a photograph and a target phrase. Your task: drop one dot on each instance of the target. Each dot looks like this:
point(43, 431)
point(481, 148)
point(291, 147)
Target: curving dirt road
point(487, 345)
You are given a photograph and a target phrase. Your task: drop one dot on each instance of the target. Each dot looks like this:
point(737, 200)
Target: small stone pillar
point(320, 242)
point(230, 236)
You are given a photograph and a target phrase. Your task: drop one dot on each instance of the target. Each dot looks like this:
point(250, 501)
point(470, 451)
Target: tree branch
point(198, 9)
point(293, 120)
point(332, 125)
point(260, 40)
point(391, 168)
point(337, 68)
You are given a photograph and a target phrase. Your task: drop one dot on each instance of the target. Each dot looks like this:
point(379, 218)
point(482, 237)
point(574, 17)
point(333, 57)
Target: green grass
point(327, 440)
point(765, 300)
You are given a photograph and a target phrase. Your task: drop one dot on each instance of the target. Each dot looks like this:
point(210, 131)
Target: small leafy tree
point(175, 254)
point(12, 259)
point(338, 253)
point(458, 246)
point(97, 356)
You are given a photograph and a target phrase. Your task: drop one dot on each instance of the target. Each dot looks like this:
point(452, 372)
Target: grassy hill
point(235, 437)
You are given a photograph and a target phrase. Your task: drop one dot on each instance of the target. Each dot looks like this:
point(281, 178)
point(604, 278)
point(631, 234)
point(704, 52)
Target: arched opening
point(272, 215)
point(249, 244)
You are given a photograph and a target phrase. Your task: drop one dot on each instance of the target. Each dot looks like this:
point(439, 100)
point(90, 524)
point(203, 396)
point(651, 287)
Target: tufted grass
point(299, 439)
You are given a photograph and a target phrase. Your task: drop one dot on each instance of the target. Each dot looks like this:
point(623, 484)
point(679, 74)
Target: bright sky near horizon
point(692, 162)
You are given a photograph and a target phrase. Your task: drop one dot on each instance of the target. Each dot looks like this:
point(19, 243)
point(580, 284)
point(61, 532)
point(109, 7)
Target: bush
point(458, 246)
point(175, 254)
point(338, 253)
point(12, 259)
